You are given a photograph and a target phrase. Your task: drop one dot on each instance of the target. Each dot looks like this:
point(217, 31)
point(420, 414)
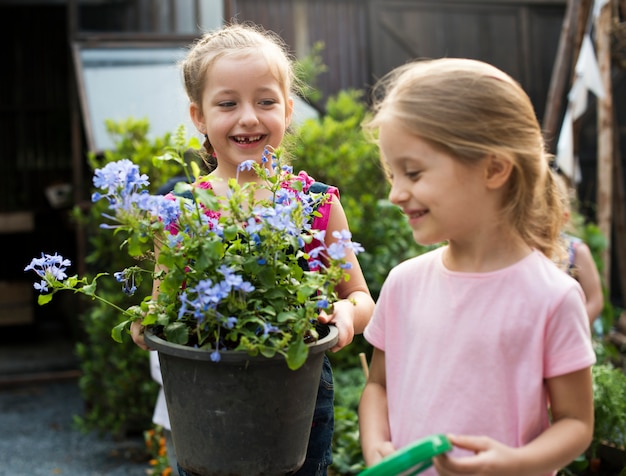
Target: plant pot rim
point(156, 343)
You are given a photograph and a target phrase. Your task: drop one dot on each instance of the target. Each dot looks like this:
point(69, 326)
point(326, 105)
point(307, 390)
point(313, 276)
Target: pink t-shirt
point(467, 353)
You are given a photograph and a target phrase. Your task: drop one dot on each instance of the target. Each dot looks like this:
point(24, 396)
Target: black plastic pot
point(242, 416)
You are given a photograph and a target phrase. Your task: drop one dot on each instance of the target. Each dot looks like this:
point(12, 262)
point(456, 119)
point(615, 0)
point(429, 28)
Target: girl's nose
point(248, 116)
point(398, 194)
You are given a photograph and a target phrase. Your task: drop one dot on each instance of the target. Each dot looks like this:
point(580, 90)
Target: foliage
point(115, 378)
point(234, 278)
point(609, 392)
point(131, 142)
point(306, 71)
point(347, 455)
point(591, 234)
point(609, 432)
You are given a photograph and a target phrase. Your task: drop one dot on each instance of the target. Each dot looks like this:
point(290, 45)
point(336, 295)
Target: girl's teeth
point(243, 140)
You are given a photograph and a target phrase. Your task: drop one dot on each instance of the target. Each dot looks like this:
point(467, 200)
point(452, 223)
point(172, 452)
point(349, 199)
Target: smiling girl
point(484, 339)
point(239, 81)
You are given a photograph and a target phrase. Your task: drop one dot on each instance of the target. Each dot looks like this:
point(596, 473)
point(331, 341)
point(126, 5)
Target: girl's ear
point(197, 117)
point(288, 112)
point(497, 171)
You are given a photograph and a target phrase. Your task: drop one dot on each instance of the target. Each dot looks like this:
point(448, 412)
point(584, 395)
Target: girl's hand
point(385, 448)
point(490, 458)
point(136, 332)
point(343, 319)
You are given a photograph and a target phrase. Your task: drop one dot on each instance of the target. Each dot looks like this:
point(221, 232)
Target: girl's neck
point(481, 256)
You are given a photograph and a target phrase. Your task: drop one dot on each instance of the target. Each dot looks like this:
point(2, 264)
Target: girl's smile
point(415, 216)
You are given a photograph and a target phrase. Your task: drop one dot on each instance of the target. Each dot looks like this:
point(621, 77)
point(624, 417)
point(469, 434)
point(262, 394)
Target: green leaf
point(304, 293)
point(116, 332)
point(176, 332)
point(44, 298)
point(135, 247)
point(195, 168)
point(230, 232)
point(286, 316)
point(297, 354)
point(89, 289)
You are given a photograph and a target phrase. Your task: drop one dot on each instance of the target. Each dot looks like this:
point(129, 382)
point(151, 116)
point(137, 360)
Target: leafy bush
point(115, 381)
point(609, 392)
point(347, 455)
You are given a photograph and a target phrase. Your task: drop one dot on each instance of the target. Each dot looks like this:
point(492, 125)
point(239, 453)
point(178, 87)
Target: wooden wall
point(365, 39)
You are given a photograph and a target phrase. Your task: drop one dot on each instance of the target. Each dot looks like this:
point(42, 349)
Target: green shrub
point(115, 381)
point(609, 393)
point(347, 455)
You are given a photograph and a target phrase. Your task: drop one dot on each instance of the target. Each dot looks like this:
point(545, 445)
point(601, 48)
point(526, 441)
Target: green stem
point(94, 296)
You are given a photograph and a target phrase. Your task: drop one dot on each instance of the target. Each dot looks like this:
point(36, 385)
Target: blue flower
point(323, 303)
point(166, 210)
point(119, 179)
point(337, 251)
point(49, 267)
point(246, 165)
point(269, 328)
point(127, 278)
point(41, 286)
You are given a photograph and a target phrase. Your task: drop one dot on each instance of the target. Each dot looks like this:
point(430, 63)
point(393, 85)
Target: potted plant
point(235, 300)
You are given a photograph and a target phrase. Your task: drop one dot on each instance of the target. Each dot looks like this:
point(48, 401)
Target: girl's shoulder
point(429, 261)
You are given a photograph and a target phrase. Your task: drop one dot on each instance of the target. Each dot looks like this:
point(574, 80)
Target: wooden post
point(560, 73)
point(605, 137)
point(619, 213)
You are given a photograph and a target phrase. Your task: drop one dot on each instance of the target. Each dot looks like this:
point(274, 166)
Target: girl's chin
point(425, 240)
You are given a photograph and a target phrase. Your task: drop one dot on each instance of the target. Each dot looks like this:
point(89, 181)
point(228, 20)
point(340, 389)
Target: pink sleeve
point(568, 341)
point(321, 222)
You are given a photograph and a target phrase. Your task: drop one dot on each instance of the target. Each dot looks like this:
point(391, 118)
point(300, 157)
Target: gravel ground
point(39, 397)
point(37, 436)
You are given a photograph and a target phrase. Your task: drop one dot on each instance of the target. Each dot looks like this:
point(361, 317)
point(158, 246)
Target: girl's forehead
point(249, 70)
point(240, 61)
point(240, 73)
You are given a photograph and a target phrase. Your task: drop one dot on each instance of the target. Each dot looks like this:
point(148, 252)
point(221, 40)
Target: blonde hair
point(236, 40)
point(471, 109)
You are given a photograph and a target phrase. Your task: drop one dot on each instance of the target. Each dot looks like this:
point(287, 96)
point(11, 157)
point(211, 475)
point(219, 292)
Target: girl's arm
point(571, 403)
point(354, 310)
point(589, 279)
point(373, 420)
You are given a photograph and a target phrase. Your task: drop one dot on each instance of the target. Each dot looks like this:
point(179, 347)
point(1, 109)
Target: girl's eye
point(268, 102)
point(226, 104)
point(412, 175)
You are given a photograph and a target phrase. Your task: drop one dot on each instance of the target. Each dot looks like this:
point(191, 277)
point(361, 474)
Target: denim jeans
point(319, 453)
